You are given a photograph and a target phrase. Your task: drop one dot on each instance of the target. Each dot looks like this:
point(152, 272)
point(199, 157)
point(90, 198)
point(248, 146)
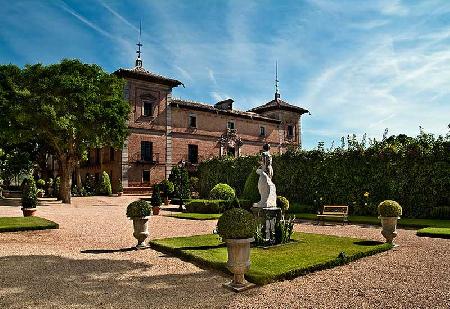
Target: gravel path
point(88, 263)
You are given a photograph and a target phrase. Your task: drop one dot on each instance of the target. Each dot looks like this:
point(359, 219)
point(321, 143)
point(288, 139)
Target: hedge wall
point(413, 171)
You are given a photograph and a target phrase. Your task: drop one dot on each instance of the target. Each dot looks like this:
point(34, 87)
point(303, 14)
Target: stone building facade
point(165, 131)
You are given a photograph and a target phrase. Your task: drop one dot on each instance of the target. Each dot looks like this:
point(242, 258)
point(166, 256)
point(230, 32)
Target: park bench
point(333, 212)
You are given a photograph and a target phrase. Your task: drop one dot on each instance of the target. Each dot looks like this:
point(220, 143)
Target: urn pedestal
point(141, 233)
point(389, 228)
point(266, 219)
point(238, 263)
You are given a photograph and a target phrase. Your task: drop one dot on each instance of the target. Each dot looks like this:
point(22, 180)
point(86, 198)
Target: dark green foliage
point(29, 194)
point(138, 209)
point(282, 203)
point(236, 223)
point(104, 187)
point(413, 171)
point(156, 196)
point(225, 170)
point(284, 230)
point(442, 212)
point(90, 185)
point(56, 186)
point(167, 187)
point(180, 178)
point(222, 191)
point(389, 208)
point(40, 183)
point(195, 184)
point(251, 191)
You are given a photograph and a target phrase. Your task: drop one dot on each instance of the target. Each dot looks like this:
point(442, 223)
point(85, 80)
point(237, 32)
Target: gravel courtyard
point(89, 263)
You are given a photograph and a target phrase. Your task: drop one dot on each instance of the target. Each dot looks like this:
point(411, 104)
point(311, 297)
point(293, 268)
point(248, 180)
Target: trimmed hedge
point(222, 191)
point(413, 171)
point(215, 206)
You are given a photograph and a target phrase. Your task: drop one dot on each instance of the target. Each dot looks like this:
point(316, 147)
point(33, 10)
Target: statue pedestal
point(267, 217)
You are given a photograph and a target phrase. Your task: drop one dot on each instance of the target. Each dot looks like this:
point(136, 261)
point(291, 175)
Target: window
point(147, 107)
point(111, 154)
point(192, 121)
point(262, 131)
point(146, 151)
point(230, 125)
point(290, 130)
point(193, 154)
point(146, 176)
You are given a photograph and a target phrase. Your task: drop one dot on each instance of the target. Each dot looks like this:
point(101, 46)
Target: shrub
point(236, 223)
point(90, 184)
point(29, 194)
point(283, 231)
point(251, 192)
point(205, 206)
point(282, 203)
point(104, 187)
point(167, 187)
point(156, 197)
point(138, 209)
point(195, 184)
point(180, 178)
point(120, 186)
point(57, 186)
point(442, 212)
point(222, 191)
point(389, 208)
point(295, 208)
point(40, 183)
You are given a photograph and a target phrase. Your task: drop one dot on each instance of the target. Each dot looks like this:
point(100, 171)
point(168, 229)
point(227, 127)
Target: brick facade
point(161, 131)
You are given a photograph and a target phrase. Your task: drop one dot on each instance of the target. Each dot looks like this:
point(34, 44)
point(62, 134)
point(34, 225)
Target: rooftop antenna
point(277, 93)
point(139, 45)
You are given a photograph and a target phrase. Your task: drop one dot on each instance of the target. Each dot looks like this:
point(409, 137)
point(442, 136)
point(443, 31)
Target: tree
point(69, 106)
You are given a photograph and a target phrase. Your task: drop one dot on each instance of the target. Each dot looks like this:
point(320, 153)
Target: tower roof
point(278, 104)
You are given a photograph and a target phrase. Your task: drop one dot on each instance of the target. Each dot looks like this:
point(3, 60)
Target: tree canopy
point(68, 106)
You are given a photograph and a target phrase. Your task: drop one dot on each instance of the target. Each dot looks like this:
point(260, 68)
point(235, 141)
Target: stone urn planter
point(155, 210)
point(389, 211)
point(140, 226)
point(389, 228)
point(29, 212)
point(237, 227)
point(139, 212)
point(238, 261)
point(166, 201)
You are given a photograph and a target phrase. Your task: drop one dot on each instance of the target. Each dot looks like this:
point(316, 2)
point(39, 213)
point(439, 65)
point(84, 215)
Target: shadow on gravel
point(368, 243)
point(43, 281)
point(100, 251)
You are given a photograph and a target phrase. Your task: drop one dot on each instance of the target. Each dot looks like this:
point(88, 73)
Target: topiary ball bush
point(222, 191)
point(138, 209)
point(40, 183)
point(236, 223)
point(251, 192)
point(389, 208)
point(156, 200)
point(282, 203)
point(29, 194)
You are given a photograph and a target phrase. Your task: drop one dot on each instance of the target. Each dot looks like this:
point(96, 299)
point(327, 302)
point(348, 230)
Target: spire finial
point(139, 45)
point(277, 93)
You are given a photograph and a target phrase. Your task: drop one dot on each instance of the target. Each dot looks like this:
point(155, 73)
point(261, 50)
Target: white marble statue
point(266, 187)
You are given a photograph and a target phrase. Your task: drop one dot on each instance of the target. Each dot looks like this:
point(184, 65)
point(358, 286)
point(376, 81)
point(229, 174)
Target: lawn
point(434, 232)
point(307, 253)
point(403, 222)
point(194, 216)
point(15, 224)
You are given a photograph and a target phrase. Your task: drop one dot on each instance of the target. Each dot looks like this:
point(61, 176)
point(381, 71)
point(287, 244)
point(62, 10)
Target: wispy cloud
point(123, 19)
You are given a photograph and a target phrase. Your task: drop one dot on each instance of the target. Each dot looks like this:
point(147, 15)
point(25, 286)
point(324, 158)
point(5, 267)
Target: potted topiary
point(237, 227)
point(139, 212)
point(167, 188)
point(29, 197)
point(282, 203)
point(389, 211)
point(156, 200)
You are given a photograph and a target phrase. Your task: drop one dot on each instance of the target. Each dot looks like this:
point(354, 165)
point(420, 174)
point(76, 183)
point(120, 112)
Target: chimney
point(225, 104)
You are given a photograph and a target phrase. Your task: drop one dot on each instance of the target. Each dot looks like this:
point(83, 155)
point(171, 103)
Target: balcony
point(138, 159)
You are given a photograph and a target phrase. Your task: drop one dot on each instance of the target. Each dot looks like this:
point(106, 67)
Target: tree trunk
point(66, 175)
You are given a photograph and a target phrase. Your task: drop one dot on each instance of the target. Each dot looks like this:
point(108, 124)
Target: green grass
point(194, 216)
point(403, 222)
point(434, 232)
point(15, 224)
point(307, 253)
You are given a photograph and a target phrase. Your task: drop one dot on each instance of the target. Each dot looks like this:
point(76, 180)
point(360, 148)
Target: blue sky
point(358, 66)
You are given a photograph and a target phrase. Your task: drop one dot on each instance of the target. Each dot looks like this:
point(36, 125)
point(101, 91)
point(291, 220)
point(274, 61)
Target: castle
point(165, 131)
